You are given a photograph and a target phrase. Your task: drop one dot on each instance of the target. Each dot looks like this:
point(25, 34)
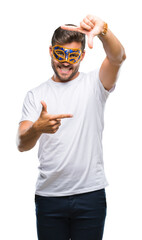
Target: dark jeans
point(76, 217)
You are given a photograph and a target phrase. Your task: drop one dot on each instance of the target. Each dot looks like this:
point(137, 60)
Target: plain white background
point(26, 28)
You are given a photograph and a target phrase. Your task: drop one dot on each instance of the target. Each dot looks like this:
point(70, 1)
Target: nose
point(66, 64)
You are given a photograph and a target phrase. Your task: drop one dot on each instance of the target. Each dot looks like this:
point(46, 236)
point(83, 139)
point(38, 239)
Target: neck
point(57, 79)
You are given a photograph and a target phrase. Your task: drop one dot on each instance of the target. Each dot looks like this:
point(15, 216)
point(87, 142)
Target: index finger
point(72, 28)
point(60, 116)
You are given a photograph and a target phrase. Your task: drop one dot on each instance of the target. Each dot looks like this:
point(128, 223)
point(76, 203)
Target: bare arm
point(115, 55)
point(29, 132)
point(27, 136)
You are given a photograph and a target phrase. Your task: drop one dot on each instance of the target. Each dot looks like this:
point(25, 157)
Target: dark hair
point(62, 36)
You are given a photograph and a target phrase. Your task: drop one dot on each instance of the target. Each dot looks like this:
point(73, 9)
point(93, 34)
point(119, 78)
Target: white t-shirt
point(71, 160)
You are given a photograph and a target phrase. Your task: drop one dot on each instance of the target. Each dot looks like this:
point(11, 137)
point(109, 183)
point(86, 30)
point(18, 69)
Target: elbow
point(123, 56)
point(20, 149)
point(18, 144)
point(119, 60)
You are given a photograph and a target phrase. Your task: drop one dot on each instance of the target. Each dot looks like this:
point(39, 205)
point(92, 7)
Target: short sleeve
point(100, 91)
point(29, 111)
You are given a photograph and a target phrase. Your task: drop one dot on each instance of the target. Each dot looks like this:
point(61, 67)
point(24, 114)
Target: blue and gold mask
point(70, 55)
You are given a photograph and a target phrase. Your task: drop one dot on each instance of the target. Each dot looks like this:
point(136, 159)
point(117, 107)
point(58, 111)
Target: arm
point(27, 136)
point(115, 55)
point(29, 132)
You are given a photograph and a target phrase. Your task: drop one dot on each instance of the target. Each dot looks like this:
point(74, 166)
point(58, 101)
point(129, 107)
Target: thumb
point(90, 41)
point(44, 106)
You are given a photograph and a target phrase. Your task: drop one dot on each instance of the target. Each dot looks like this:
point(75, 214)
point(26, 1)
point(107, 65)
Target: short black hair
point(61, 36)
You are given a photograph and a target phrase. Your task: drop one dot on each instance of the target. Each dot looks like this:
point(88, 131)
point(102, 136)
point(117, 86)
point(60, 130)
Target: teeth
point(65, 70)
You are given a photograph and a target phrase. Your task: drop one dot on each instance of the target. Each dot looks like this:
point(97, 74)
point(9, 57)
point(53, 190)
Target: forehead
point(72, 45)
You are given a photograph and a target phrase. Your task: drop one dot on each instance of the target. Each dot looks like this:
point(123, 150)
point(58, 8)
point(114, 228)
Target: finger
point(60, 116)
point(55, 127)
point(88, 22)
point(90, 41)
point(44, 106)
point(85, 26)
point(91, 19)
point(58, 121)
point(71, 28)
point(55, 122)
point(51, 131)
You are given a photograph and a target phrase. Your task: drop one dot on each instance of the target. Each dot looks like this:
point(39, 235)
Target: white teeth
point(65, 69)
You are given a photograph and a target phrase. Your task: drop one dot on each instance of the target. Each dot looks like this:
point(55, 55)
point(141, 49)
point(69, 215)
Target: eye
point(74, 55)
point(60, 53)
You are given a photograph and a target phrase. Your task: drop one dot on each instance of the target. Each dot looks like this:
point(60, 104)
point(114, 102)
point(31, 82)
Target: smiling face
point(65, 70)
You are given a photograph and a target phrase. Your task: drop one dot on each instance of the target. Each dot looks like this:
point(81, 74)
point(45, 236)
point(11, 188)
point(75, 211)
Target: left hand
point(91, 26)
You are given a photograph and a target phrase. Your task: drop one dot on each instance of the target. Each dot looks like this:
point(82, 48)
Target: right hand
point(48, 123)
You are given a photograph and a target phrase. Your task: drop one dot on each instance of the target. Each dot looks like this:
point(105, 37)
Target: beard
point(64, 72)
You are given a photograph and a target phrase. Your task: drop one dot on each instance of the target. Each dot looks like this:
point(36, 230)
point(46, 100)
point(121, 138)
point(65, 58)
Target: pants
point(76, 217)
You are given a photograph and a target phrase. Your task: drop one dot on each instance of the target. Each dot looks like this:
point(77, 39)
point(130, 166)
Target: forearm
point(27, 138)
point(114, 50)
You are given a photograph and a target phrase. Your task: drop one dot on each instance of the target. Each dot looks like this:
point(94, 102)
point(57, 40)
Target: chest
point(76, 99)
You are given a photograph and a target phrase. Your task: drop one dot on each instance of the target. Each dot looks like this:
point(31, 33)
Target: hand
point(91, 26)
point(48, 123)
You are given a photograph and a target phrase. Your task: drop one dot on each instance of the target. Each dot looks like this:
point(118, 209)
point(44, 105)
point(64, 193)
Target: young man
point(66, 114)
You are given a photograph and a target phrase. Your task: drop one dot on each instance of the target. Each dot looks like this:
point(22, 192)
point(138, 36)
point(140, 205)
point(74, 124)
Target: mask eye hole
point(60, 53)
point(74, 55)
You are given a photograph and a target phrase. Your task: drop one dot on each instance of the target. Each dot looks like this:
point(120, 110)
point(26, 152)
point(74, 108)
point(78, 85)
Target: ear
point(83, 55)
point(50, 50)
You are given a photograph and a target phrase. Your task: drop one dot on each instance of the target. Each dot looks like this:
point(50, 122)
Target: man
point(66, 114)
